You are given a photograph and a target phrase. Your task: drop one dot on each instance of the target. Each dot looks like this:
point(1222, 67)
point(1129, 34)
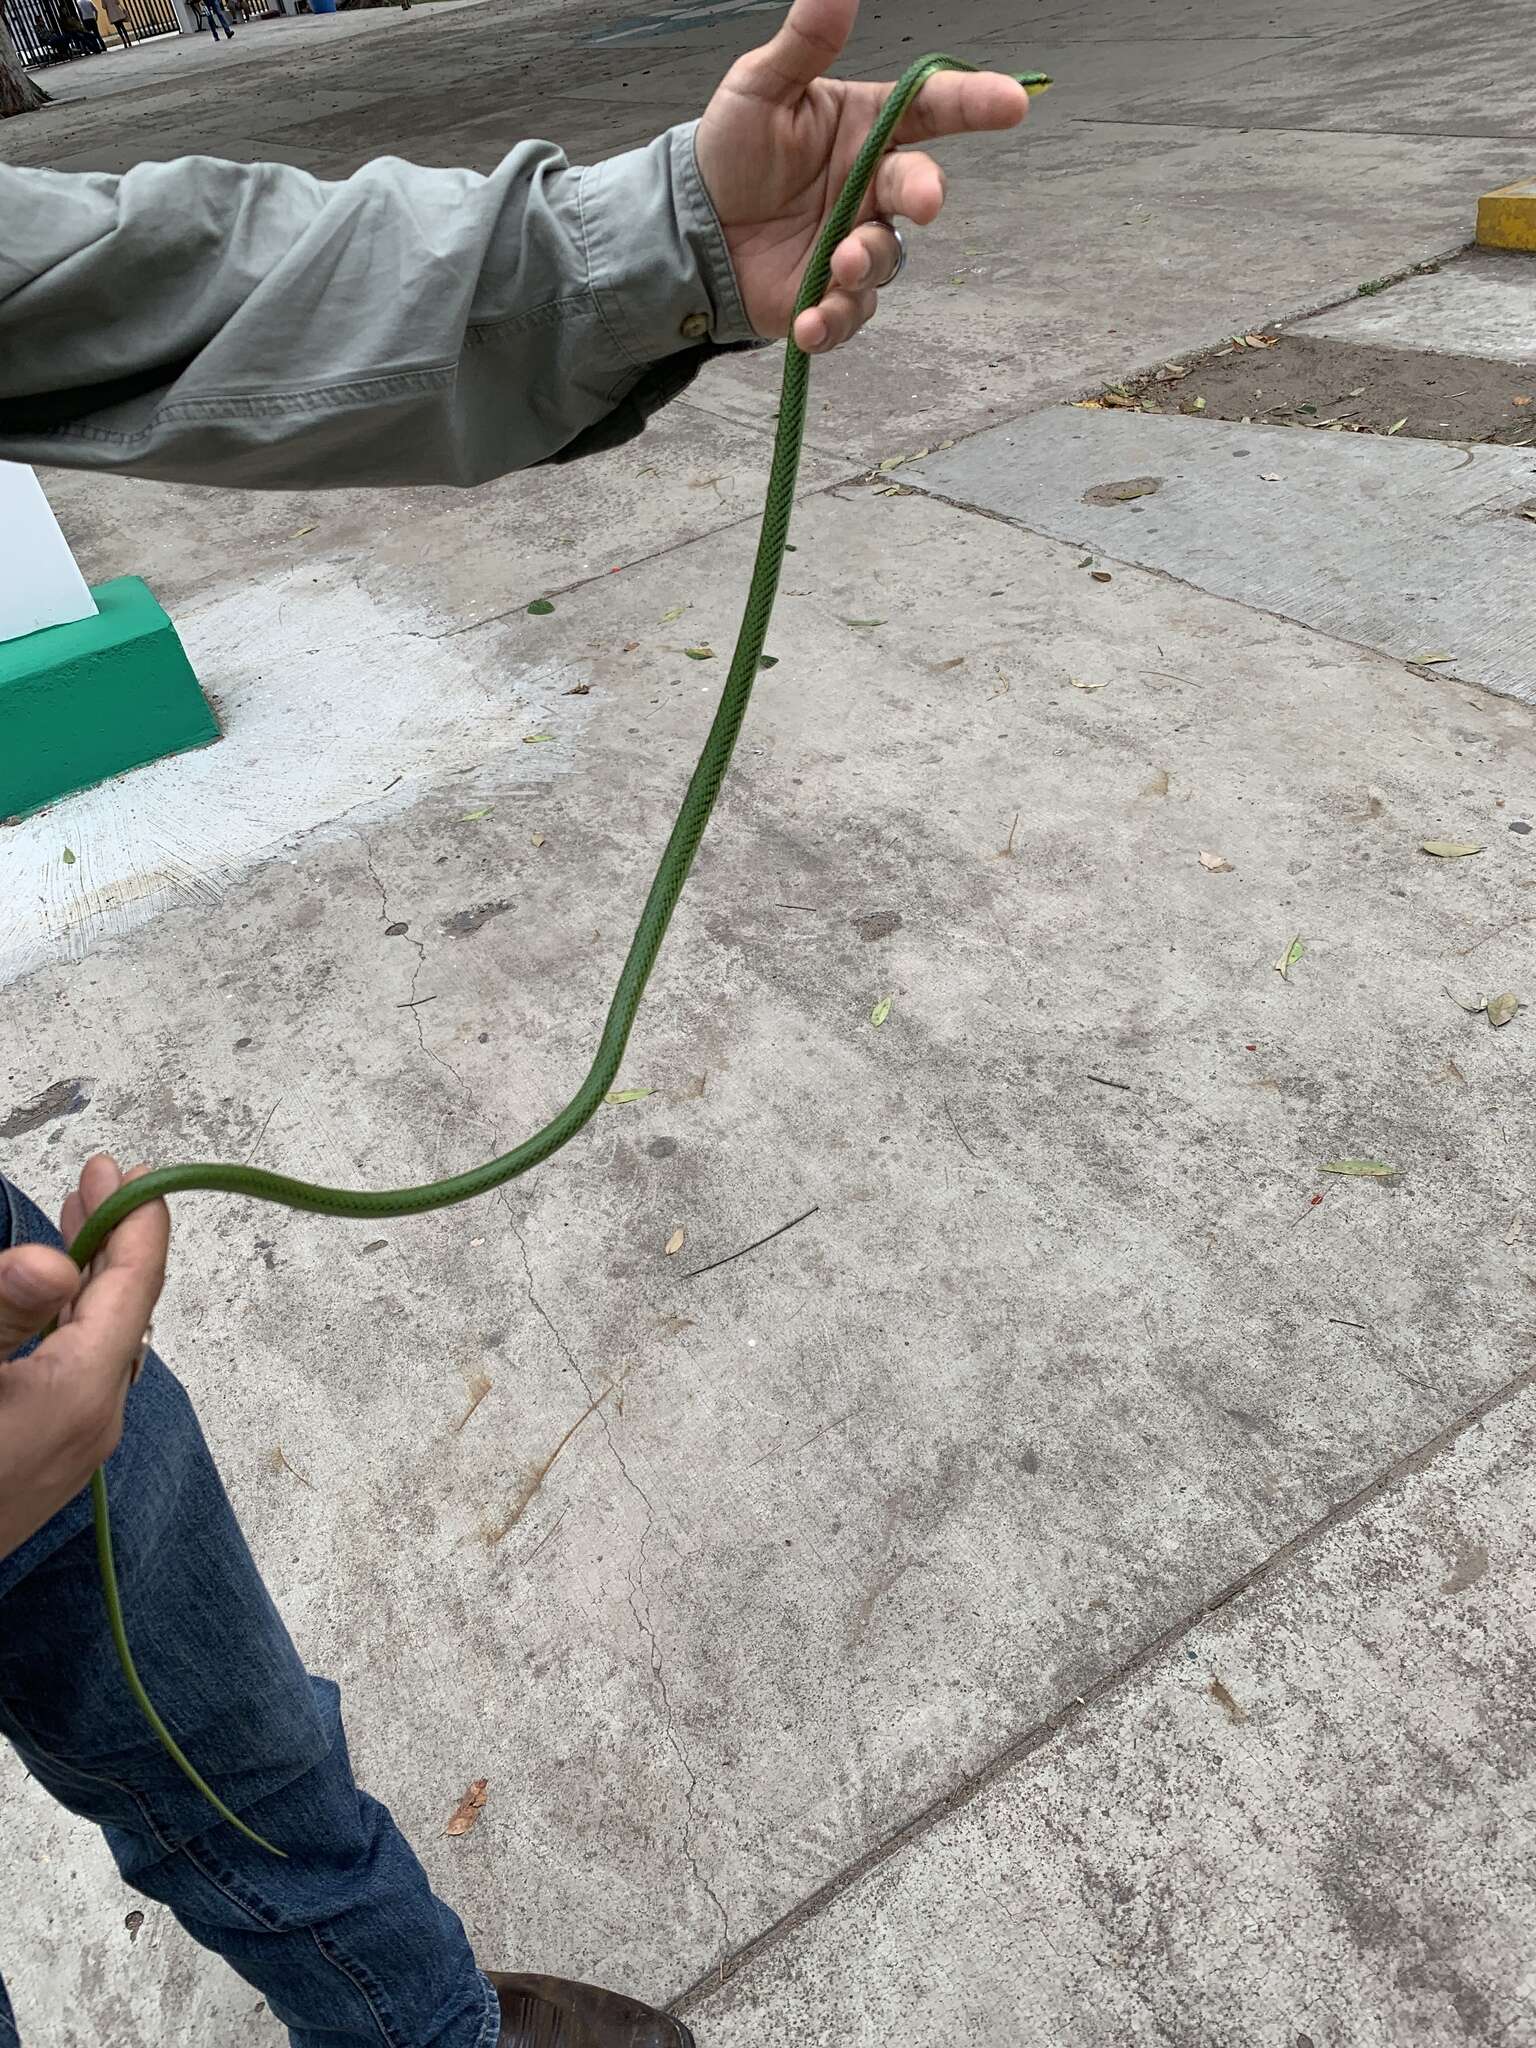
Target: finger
point(871, 255)
point(909, 184)
point(840, 315)
point(963, 103)
point(102, 1177)
point(811, 39)
point(112, 1311)
point(36, 1282)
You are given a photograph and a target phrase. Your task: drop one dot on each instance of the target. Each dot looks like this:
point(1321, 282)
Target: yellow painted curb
point(1506, 219)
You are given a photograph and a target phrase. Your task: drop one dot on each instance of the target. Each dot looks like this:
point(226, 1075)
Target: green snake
point(671, 873)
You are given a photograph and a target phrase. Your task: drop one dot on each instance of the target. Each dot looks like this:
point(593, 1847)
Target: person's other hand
point(61, 1408)
point(777, 141)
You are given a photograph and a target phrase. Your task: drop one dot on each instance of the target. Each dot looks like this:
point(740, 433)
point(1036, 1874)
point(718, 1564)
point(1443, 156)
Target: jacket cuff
point(658, 265)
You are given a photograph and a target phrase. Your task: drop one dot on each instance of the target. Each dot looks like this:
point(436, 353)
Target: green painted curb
point(82, 702)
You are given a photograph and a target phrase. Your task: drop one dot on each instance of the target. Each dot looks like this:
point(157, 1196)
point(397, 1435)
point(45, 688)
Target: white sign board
point(39, 583)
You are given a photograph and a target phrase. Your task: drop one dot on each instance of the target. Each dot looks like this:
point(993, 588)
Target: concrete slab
point(1203, 1852)
point(1424, 69)
point(1077, 251)
point(1052, 1364)
point(1056, 1359)
point(1413, 547)
point(1483, 305)
point(296, 611)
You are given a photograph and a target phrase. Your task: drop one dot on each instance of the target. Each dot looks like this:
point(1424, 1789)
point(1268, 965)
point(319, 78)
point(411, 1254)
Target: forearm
point(249, 324)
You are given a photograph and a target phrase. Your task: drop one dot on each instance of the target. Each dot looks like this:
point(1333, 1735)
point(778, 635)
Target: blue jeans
point(215, 11)
point(344, 1938)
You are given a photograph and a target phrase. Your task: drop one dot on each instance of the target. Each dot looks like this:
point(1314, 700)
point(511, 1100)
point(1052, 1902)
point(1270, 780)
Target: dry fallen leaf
point(537, 839)
point(1268, 476)
point(1078, 684)
point(1215, 863)
point(1100, 575)
point(301, 531)
point(1359, 1169)
point(675, 613)
point(1158, 786)
point(1471, 1004)
point(469, 1809)
point(1225, 1701)
point(1430, 660)
point(1289, 957)
point(880, 1012)
point(1502, 1008)
point(630, 646)
point(1398, 425)
point(1448, 849)
point(675, 1243)
point(1516, 1226)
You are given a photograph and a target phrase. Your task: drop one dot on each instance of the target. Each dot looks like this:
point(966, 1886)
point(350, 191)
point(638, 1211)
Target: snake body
point(257, 1184)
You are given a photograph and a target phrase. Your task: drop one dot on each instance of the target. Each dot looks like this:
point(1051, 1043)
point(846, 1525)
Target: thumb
point(36, 1283)
point(810, 39)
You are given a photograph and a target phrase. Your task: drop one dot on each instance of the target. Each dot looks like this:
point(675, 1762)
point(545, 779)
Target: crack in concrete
point(421, 960)
point(1030, 1740)
point(595, 1400)
point(637, 1590)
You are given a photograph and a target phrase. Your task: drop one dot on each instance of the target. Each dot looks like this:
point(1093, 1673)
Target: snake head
point(1033, 82)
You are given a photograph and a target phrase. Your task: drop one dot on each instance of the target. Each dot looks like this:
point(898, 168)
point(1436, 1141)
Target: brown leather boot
point(552, 2012)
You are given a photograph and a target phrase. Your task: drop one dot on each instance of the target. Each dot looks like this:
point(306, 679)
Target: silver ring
point(891, 228)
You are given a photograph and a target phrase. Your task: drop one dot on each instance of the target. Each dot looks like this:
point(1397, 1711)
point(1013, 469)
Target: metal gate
point(46, 31)
point(152, 18)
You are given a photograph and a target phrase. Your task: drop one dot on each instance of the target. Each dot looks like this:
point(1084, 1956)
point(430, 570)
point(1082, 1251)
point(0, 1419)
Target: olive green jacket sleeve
point(249, 324)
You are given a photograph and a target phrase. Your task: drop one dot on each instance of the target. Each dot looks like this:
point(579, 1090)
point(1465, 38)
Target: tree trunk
point(19, 94)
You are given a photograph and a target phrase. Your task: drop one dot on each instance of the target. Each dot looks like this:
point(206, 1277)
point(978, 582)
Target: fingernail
point(22, 1288)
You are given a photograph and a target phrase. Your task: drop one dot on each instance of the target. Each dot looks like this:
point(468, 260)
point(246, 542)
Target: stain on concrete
point(877, 924)
point(1471, 1565)
point(1122, 493)
point(64, 1098)
point(464, 923)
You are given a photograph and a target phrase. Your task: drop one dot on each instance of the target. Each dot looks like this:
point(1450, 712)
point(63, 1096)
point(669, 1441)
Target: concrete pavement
point(850, 1673)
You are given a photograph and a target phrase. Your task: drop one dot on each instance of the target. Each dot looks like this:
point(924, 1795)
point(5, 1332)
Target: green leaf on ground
point(1502, 1008)
point(675, 613)
point(767, 661)
point(1448, 849)
point(1360, 1169)
point(541, 608)
point(880, 1012)
point(69, 856)
point(1397, 426)
point(1289, 958)
point(863, 623)
point(536, 739)
point(629, 1094)
point(699, 653)
point(470, 817)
